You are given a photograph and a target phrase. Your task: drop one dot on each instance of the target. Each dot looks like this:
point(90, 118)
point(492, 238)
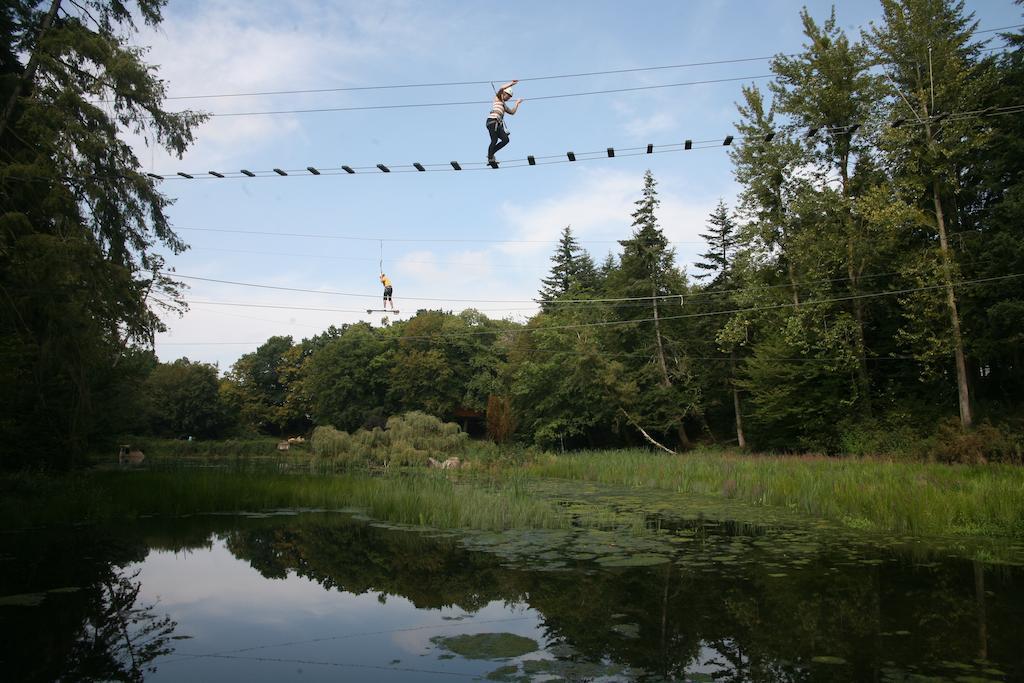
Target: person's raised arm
point(514, 108)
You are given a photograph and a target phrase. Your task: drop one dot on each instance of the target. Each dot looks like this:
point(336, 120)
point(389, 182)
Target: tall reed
point(427, 499)
point(912, 498)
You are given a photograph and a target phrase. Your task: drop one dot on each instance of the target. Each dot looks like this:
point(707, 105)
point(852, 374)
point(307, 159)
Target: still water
point(318, 595)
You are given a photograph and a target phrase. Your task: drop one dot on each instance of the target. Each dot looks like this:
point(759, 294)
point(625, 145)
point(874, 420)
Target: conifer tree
point(80, 220)
point(568, 265)
point(647, 274)
point(721, 239)
point(933, 67)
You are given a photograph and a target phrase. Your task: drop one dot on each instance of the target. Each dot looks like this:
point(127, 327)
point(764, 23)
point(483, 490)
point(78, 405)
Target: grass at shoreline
point(912, 499)
point(907, 498)
point(424, 499)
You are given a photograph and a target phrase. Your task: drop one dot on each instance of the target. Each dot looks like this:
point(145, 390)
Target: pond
point(321, 595)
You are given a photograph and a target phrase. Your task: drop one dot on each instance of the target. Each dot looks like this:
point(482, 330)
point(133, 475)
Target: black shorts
point(387, 292)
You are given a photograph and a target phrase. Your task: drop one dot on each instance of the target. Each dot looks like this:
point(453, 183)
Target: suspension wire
point(422, 105)
point(605, 354)
point(438, 262)
point(463, 83)
point(445, 84)
point(538, 160)
point(452, 240)
point(689, 296)
point(706, 314)
point(453, 167)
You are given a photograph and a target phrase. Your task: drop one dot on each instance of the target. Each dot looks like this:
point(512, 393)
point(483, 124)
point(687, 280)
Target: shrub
point(409, 439)
point(983, 443)
point(877, 437)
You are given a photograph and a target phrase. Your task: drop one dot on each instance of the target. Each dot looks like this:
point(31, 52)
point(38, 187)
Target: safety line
point(398, 240)
point(706, 314)
point(422, 105)
point(567, 157)
point(574, 157)
point(556, 302)
point(463, 83)
point(602, 354)
point(502, 80)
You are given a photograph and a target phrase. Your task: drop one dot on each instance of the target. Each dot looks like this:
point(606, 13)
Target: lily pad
point(645, 560)
point(826, 659)
point(488, 645)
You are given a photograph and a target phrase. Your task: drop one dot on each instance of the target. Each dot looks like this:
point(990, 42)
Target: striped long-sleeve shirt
point(499, 107)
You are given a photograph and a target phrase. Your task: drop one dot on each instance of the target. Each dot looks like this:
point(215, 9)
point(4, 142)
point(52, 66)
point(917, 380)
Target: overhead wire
point(544, 160)
point(854, 127)
point(706, 314)
point(688, 296)
point(423, 105)
point(451, 240)
point(443, 84)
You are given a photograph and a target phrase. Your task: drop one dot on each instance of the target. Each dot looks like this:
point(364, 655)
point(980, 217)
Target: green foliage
point(572, 271)
point(898, 497)
point(80, 220)
point(347, 378)
point(426, 499)
point(184, 400)
point(409, 439)
point(982, 444)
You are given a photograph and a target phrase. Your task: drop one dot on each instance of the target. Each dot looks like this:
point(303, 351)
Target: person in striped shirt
point(496, 119)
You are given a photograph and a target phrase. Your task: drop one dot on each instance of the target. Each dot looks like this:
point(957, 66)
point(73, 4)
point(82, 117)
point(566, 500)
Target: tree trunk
point(863, 379)
point(740, 437)
point(684, 439)
point(30, 69)
point(966, 419)
point(963, 391)
point(792, 282)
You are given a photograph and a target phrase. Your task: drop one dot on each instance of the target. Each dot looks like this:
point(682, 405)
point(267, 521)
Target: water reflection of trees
point(753, 623)
point(94, 627)
point(119, 638)
point(749, 621)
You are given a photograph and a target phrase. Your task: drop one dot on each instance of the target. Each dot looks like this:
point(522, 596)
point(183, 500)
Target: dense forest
point(863, 292)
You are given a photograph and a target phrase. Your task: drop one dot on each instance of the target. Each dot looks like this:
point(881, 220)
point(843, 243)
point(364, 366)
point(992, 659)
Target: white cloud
point(261, 47)
point(600, 207)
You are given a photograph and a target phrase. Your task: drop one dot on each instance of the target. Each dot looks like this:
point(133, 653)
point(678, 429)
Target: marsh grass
point(265, 447)
point(424, 499)
point(910, 498)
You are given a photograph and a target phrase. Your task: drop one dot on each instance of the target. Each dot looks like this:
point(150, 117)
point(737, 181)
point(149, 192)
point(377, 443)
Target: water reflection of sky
point(287, 629)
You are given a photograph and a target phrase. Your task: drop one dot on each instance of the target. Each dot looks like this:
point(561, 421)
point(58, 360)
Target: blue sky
point(453, 237)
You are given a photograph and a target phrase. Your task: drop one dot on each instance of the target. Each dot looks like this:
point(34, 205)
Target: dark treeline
point(863, 292)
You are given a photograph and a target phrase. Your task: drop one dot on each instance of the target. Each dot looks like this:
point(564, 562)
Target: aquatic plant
point(425, 499)
point(903, 497)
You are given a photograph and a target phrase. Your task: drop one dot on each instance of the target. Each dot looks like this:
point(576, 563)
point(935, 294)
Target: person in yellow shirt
point(386, 281)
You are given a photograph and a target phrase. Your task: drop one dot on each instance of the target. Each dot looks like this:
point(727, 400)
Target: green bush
point(409, 439)
point(980, 444)
point(877, 437)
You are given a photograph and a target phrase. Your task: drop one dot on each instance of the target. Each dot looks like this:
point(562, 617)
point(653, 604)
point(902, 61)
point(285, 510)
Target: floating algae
point(633, 561)
point(487, 645)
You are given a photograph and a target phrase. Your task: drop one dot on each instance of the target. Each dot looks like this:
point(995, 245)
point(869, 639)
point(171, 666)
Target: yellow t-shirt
point(385, 280)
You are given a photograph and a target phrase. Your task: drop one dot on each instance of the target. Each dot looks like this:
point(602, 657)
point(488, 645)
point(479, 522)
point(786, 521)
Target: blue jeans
point(499, 138)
